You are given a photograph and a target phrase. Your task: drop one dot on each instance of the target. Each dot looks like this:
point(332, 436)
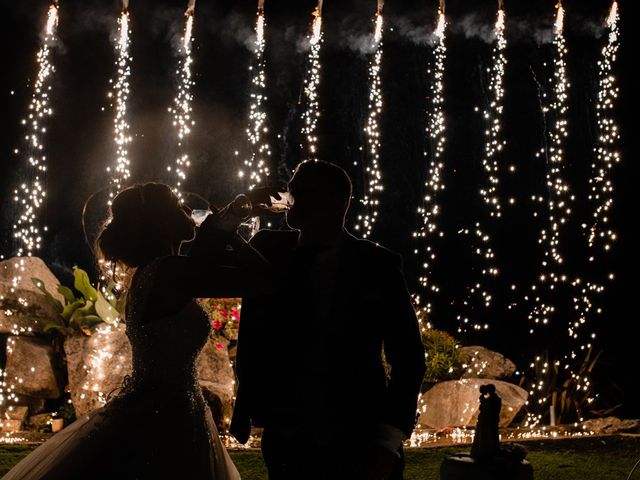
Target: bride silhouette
point(159, 425)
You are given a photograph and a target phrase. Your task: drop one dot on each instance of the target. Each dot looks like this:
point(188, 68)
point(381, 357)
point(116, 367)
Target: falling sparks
point(436, 130)
point(606, 155)
point(312, 80)
point(181, 109)
point(257, 165)
point(559, 208)
point(31, 194)
point(120, 173)
point(373, 175)
point(489, 192)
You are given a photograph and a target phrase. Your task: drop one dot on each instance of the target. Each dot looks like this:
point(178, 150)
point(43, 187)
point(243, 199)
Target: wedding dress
point(158, 426)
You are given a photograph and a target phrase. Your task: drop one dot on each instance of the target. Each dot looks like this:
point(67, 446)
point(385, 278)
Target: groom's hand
point(261, 196)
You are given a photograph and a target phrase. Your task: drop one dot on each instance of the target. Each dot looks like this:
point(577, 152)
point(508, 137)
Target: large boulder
point(455, 403)
point(480, 362)
point(24, 309)
point(96, 366)
point(216, 378)
point(32, 368)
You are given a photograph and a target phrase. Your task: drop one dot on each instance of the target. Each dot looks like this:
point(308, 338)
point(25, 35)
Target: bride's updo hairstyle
point(144, 219)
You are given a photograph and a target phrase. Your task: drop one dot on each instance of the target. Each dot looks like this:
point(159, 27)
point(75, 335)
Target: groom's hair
point(329, 177)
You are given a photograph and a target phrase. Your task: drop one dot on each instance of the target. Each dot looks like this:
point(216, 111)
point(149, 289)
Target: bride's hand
point(230, 216)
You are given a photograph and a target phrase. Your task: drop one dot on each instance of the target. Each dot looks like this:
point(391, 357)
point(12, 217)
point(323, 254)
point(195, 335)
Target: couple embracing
point(329, 361)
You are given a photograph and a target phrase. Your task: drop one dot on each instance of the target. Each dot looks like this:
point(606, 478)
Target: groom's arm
point(403, 350)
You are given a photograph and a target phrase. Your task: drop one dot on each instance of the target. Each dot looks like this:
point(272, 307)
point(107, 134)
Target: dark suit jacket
point(285, 347)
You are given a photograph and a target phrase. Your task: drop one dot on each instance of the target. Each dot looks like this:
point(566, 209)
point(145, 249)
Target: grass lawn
point(595, 458)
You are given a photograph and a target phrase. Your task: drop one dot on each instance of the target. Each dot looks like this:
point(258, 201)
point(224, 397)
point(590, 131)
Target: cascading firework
point(559, 201)
point(120, 173)
point(606, 155)
point(257, 165)
point(489, 194)
point(181, 109)
point(559, 212)
point(430, 209)
point(372, 175)
point(311, 82)
point(31, 193)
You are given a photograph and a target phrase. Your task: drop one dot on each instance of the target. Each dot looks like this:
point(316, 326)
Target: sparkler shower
point(181, 110)
point(257, 165)
point(311, 82)
point(31, 194)
point(555, 284)
point(436, 130)
point(372, 174)
point(120, 173)
point(482, 247)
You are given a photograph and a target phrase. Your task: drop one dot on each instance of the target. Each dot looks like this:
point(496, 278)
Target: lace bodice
point(165, 348)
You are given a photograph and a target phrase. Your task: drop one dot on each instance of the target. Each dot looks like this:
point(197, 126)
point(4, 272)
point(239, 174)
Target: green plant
point(569, 389)
point(80, 314)
point(442, 356)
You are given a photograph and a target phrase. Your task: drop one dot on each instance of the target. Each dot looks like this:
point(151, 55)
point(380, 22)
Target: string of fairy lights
point(257, 164)
point(120, 172)
point(372, 175)
point(181, 109)
point(493, 145)
point(311, 112)
point(436, 130)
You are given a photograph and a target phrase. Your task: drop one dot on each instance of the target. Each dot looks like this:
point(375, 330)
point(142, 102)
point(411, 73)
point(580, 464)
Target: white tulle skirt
point(139, 435)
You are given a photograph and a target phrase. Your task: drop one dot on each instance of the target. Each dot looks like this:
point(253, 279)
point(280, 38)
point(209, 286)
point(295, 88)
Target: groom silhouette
point(311, 357)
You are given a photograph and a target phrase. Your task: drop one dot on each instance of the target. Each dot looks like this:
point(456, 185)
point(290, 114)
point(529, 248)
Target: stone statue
point(486, 441)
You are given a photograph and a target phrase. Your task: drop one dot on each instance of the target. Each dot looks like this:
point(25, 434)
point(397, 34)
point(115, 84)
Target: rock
point(40, 421)
point(96, 366)
point(216, 377)
point(26, 310)
point(31, 368)
point(481, 362)
point(14, 413)
point(609, 425)
point(455, 403)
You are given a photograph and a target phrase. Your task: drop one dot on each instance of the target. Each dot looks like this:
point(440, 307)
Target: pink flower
point(217, 324)
point(219, 346)
point(235, 313)
point(224, 312)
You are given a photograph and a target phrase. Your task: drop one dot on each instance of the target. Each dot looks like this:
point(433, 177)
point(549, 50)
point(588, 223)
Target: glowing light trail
point(181, 110)
point(312, 80)
point(606, 155)
point(31, 194)
point(120, 173)
point(257, 164)
point(436, 130)
point(373, 176)
point(559, 202)
point(489, 192)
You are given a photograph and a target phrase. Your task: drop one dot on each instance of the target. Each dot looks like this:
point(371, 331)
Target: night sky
point(80, 137)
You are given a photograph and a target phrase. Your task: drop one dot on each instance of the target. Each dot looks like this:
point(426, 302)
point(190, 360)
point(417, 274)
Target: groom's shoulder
point(375, 251)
